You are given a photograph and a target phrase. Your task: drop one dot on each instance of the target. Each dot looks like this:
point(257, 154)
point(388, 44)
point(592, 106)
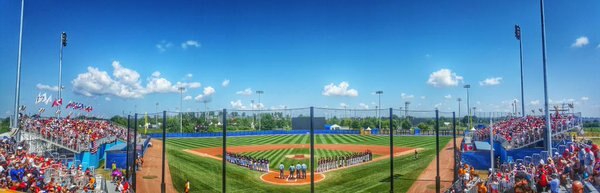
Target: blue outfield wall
point(258, 133)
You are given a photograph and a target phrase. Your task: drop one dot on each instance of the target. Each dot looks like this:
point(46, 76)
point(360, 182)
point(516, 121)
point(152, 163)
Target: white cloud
point(405, 96)
point(491, 81)
point(189, 75)
point(190, 85)
point(448, 96)
point(125, 83)
point(187, 98)
point(423, 97)
point(237, 104)
point(125, 75)
point(438, 105)
point(343, 105)
point(444, 78)
point(580, 42)
point(225, 83)
point(535, 102)
point(339, 90)
point(584, 98)
point(363, 105)
point(245, 92)
point(162, 46)
point(44, 87)
point(206, 95)
point(190, 43)
point(107, 99)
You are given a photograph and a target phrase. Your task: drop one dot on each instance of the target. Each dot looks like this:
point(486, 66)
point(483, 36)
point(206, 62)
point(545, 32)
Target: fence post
point(223, 176)
point(391, 152)
point(312, 151)
point(454, 138)
point(164, 143)
point(134, 176)
point(437, 151)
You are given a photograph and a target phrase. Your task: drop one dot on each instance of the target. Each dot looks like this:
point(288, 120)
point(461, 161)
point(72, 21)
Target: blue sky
point(127, 54)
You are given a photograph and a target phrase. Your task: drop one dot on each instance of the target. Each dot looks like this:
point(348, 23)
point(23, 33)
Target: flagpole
point(18, 84)
point(63, 42)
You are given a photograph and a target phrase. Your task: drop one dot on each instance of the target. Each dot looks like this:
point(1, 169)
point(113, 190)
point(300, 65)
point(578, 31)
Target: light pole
point(259, 92)
point(468, 106)
point(518, 36)
point(379, 93)
point(18, 83)
point(63, 43)
point(181, 89)
point(406, 108)
point(156, 116)
point(547, 113)
point(459, 100)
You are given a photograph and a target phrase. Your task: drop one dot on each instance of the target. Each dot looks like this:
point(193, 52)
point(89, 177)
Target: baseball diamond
point(198, 160)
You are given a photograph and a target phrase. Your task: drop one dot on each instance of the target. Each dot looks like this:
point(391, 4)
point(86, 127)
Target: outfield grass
point(205, 173)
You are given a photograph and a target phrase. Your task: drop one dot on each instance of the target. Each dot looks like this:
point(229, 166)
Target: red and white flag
point(57, 103)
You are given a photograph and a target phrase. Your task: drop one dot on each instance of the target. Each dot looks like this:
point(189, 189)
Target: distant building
point(303, 123)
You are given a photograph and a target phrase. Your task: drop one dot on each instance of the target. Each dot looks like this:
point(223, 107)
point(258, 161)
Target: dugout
point(117, 154)
point(303, 123)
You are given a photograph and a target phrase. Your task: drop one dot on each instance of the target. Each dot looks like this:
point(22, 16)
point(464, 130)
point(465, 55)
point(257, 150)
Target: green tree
point(423, 127)
point(267, 122)
point(406, 125)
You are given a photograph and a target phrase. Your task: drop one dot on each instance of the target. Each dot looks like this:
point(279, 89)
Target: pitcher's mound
point(298, 156)
point(273, 178)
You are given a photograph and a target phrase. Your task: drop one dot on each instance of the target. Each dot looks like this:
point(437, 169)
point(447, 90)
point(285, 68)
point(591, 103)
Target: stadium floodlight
point(379, 93)
point(468, 86)
point(518, 36)
point(259, 92)
point(459, 100)
point(63, 43)
point(547, 113)
point(181, 89)
point(18, 82)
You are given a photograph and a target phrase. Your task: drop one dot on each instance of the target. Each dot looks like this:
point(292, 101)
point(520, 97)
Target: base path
point(426, 181)
point(149, 178)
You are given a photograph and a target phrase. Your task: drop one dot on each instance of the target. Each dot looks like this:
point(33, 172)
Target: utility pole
point(18, 83)
point(468, 106)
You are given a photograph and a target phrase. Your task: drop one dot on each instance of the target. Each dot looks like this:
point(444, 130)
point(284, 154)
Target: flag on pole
point(57, 102)
point(518, 32)
point(22, 108)
point(42, 110)
point(57, 112)
point(89, 109)
point(71, 104)
point(40, 98)
point(48, 100)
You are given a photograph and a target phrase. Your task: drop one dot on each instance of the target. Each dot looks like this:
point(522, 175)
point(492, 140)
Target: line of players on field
point(261, 165)
point(329, 163)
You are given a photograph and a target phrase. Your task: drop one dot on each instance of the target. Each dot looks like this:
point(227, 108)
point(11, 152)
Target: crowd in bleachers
point(519, 131)
point(565, 171)
point(77, 134)
point(25, 172)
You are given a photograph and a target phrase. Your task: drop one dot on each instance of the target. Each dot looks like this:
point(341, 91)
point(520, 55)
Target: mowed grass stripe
point(342, 138)
point(332, 139)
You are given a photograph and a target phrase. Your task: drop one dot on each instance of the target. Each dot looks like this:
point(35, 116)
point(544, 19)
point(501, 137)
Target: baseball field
point(199, 161)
